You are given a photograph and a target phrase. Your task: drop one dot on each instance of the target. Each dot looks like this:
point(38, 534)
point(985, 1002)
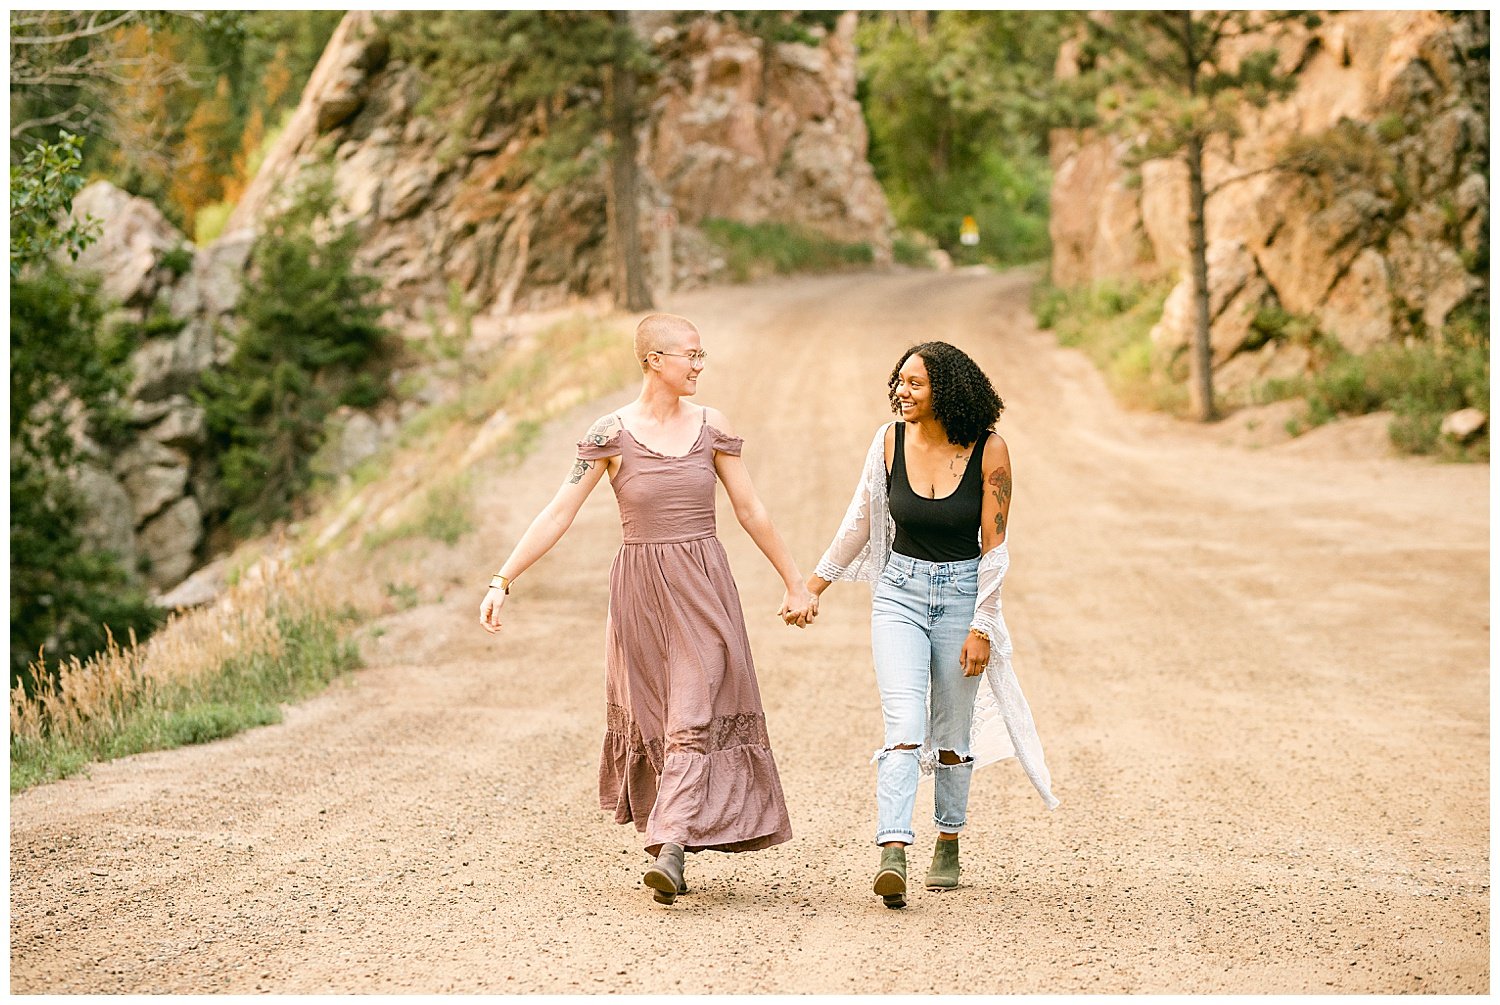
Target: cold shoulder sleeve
point(724, 444)
point(598, 447)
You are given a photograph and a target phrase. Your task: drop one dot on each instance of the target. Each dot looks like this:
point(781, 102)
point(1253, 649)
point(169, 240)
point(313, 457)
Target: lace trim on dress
point(743, 729)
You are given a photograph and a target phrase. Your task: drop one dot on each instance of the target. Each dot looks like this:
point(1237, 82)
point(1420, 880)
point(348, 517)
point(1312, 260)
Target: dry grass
point(274, 636)
point(283, 629)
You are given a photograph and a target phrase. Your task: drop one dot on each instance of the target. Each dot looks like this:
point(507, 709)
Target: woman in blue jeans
point(927, 526)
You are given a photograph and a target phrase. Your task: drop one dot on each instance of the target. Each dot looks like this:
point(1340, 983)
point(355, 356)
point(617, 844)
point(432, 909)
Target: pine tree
point(576, 73)
point(197, 178)
point(310, 339)
point(144, 118)
point(1172, 81)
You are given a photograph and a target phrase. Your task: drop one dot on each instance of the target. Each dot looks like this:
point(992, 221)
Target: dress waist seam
point(673, 540)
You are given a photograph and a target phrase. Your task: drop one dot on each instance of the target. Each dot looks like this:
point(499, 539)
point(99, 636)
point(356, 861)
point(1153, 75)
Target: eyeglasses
point(694, 358)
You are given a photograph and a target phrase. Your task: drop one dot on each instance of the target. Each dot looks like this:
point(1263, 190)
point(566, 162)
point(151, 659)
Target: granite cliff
point(1360, 199)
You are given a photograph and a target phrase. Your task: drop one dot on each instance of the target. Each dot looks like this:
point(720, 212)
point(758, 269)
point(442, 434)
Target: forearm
point(767, 538)
point(545, 531)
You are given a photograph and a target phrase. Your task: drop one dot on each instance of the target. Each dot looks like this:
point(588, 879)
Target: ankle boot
point(890, 880)
point(665, 877)
point(943, 873)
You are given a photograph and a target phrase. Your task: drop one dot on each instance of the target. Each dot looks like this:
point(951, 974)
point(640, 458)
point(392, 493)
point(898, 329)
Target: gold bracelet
point(503, 585)
point(980, 632)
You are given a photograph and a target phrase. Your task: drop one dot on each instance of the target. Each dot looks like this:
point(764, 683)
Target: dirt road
point(1261, 679)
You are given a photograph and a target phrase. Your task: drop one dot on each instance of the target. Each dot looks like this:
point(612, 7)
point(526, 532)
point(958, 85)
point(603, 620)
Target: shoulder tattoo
point(597, 434)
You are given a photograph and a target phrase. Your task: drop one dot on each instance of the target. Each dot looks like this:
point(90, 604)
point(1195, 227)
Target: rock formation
point(734, 129)
point(146, 503)
point(1361, 199)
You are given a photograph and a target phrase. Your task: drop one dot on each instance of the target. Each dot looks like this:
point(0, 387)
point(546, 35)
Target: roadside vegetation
point(289, 623)
point(752, 251)
point(1111, 323)
point(279, 635)
point(1420, 380)
point(959, 104)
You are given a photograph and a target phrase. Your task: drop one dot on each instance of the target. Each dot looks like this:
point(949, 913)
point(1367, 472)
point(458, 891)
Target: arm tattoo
point(596, 435)
point(579, 467)
point(1000, 481)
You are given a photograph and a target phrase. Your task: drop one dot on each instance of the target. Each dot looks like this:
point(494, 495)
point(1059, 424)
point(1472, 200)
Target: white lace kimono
point(1002, 720)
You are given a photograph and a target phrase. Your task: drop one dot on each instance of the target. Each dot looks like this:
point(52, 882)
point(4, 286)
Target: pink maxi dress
point(686, 755)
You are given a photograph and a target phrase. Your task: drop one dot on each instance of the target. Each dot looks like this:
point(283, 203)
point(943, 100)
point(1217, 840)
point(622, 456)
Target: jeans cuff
point(884, 836)
point(948, 828)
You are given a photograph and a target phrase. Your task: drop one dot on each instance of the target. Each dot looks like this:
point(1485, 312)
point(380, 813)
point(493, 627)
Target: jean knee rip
point(895, 748)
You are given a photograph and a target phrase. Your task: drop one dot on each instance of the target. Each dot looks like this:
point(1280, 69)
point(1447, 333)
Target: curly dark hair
point(963, 399)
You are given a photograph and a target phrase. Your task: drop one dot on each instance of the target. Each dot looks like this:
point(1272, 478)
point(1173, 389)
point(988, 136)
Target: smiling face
point(679, 370)
point(914, 390)
point(665, 344)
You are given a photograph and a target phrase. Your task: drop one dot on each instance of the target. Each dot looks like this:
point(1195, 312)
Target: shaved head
point(661, 332)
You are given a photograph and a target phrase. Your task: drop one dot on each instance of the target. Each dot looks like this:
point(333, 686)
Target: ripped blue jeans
point(920, 616)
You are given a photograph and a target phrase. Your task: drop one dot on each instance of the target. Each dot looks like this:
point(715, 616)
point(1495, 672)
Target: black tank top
point(936, 530)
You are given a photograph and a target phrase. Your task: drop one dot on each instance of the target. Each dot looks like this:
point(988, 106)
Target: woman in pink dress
point(686, 755)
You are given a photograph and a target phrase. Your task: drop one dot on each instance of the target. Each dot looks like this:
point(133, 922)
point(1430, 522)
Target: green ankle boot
point(943, 873)
point(890, 881)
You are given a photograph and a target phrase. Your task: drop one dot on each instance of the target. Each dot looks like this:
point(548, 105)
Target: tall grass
point(755, 250)
point(1111, 322)
point(279, 634)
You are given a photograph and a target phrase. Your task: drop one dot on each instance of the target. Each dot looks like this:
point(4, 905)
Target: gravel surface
point(1260, 676)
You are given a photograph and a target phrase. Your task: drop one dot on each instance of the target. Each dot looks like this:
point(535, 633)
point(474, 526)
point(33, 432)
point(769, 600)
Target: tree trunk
point(1200, 359)
point(628, 272)
point(1200, 371)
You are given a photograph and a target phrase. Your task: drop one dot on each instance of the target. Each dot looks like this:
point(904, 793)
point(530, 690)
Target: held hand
point(975, 656)
point(489, 610)
point(798, 607)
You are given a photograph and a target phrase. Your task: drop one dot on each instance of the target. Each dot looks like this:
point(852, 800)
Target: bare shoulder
point(718, 420)
point(890, 445)
point(603, 430)
point(996, 463)
point(996, 453)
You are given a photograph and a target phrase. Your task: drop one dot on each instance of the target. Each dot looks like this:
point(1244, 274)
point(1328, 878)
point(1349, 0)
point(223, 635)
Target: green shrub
point(63, 591)
point(177, 261)
point(1111, 321)
point(1420, 381)
point(907, 249)
point(310, 340)
point(756, 249)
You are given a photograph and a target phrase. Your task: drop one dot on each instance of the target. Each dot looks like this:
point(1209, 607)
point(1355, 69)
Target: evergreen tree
point(310, 339)
point(575, 72)
point(146, 114)
point(1172, 81)
point(66, 379)
point(198, 170)
point(958, 104)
